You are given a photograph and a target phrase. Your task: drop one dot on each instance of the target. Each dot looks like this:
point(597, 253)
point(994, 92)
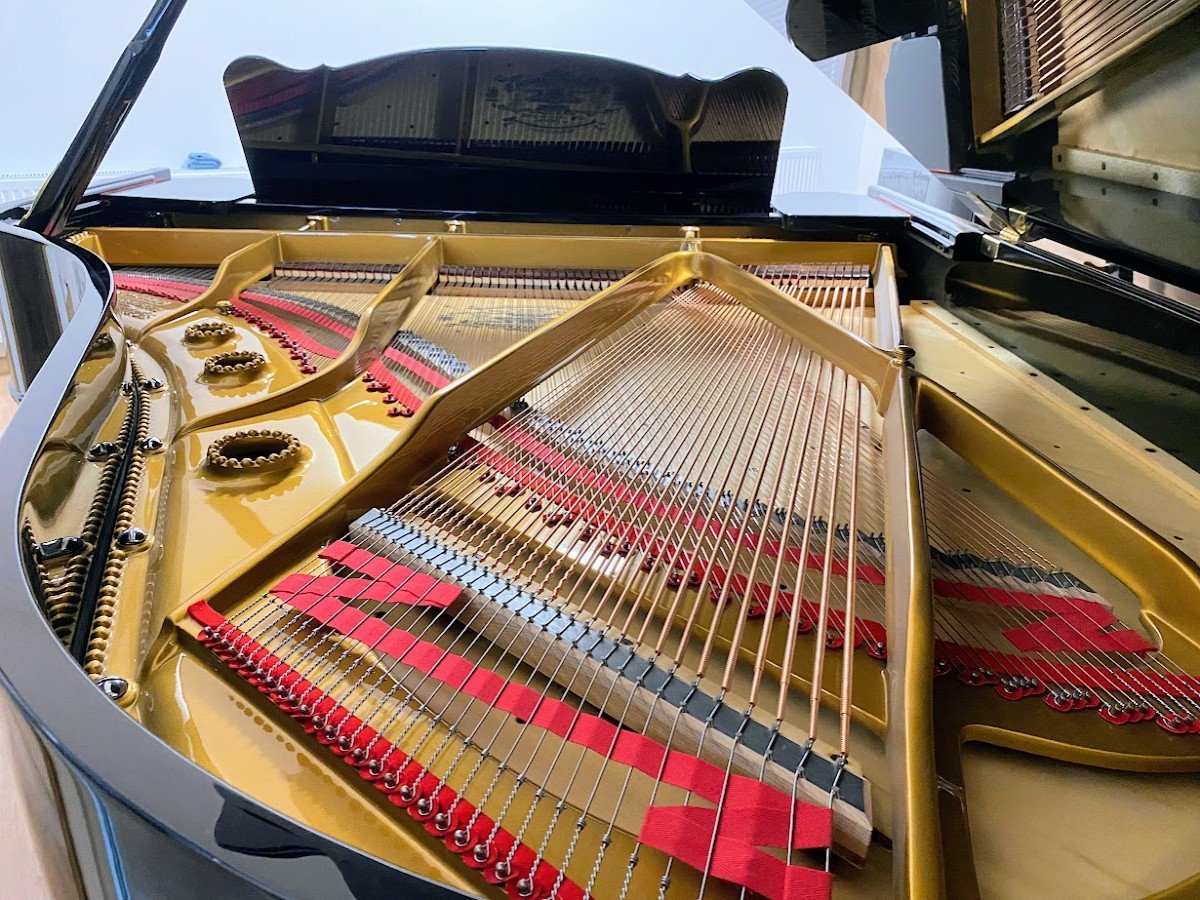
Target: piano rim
point(64, 712)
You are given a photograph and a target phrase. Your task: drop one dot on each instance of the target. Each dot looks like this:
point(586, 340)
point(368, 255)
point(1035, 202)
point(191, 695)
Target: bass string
point(968, 524)
point(584, 692)
point(468, 503)
point(427, 494)
point(964, 632)
point(969, 520)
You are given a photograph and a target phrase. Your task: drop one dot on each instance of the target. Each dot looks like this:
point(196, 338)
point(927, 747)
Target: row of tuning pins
point(551, 282)
point(379, 273)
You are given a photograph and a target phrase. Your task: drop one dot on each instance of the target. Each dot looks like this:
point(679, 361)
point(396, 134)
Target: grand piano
point(504, 500)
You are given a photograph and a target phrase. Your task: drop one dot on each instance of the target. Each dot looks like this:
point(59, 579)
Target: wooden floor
point(34, 856)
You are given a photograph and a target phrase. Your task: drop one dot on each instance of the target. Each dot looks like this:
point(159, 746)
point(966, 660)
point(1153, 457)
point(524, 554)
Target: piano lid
point(508, 130)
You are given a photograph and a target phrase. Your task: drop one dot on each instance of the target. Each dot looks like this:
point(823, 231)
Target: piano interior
point(564, 562)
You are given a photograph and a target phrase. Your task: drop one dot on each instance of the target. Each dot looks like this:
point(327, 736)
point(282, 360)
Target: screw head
point(132, 537)
point(152, 384)
point(63, 546)
point(113, 688)
point(150, 445)
point(102, 450)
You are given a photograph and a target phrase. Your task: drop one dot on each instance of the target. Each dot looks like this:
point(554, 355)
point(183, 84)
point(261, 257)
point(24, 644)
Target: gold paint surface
point(227, 538)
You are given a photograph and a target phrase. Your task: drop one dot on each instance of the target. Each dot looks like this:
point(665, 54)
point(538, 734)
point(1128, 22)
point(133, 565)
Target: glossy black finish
point(824, 28)
point(511, 131)
point(70, 179)
point(29, 295)
point(1149, 231)
point(158, 825)
point(1124, 350)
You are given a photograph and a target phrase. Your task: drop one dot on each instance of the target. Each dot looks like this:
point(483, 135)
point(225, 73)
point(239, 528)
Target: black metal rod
point(65, 186)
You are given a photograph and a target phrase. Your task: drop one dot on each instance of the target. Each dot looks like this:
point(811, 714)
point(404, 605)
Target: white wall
point(63, 49)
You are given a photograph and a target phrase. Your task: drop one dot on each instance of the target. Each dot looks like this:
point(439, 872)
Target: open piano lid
point(508, 130)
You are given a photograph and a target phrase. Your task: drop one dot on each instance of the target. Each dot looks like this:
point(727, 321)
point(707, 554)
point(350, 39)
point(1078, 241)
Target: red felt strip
point(299, 309)
point(435, 378)
point(1101, 678)
point(1078, 624)
point(298, 335)
point(397, 388)
point(180, 291)
point(737, 858)
point(219, 635)
point(419, 591)
point(622, 745)
point(687, 833)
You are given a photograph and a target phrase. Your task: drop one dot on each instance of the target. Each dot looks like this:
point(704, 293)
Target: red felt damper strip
point(219, 635)
point(435, 378)
point(159, 287)
point(1077, 624)
point(1101, 678)
point(296, 334)
point(397, 388)
point(746, 824)
point(813, 824)
point(377, 579)
point(305, 312)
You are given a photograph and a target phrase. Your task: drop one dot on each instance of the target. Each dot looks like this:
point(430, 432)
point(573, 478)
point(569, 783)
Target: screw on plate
point(113, 688)
point(56, 547)
point(150, 445)
point(153, 384)
point(102, 450)
point(132, 537)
